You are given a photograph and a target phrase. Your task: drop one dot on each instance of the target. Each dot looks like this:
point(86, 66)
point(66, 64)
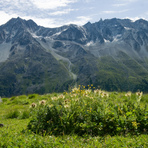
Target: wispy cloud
point(109, 12)
point(135, 18)
point(46, 22)
point(53, 13)
point(120, 5)
point(44, 13)
point(52, 4)
point(80, 20)
point(113, 12)
point(65, 11)
point(129, 1)
point(88, 1)
point(5, 17)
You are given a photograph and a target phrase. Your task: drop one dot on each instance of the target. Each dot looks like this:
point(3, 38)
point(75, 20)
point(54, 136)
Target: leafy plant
point(84, 112)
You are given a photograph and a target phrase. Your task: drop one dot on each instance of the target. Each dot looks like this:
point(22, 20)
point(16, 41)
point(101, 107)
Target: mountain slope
point(111, 54)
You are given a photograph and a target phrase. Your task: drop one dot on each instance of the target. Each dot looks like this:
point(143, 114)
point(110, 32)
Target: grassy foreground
point(87, 113)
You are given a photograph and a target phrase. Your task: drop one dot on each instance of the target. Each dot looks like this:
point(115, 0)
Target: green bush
point(87, 113)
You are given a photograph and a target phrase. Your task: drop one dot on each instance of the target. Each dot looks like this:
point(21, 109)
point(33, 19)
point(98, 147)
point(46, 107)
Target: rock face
point(111, 54)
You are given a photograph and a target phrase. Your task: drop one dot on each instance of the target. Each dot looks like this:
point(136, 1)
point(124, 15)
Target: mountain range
point(111, 54)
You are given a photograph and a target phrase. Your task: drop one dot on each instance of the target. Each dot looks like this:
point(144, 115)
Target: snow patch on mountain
point(106, 41)
point(90, 43)
point(116, 38)
point(127, 28)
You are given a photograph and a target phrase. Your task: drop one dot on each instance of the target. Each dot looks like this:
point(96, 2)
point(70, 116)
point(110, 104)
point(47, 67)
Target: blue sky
point(55, 13)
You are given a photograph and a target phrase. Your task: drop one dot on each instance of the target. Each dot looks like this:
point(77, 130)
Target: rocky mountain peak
point(110, 53)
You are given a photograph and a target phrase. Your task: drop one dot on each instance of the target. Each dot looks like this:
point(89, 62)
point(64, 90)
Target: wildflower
point(66, 101)
point(88, 91)
point(128, 94)
point(139, 94)
point(66, 106)
point(43, 102)
point(77, 99)
point(135, 124)
point(33, 105)
point(61, 96)
point(51, 105)
point(104, 94)
point(85, 95)
point(73, 95)
point(91, 97)
point(54, 98)
point(97, 91)
point(75, 89)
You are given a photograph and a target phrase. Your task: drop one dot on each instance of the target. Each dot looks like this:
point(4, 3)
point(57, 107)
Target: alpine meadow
point(74, 86)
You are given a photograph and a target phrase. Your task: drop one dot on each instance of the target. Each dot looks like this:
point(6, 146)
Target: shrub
point(90, 114)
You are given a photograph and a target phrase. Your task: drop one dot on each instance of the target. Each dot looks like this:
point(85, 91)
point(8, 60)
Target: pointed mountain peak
point(18, 18)
point(13, 21)
point(19, 22)
point(88, 25)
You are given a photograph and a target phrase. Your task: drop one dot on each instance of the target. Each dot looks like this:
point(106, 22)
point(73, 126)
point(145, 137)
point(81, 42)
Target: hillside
point(112, 54)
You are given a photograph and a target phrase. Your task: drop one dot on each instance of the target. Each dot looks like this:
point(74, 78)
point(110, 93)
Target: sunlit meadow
point(82, 117)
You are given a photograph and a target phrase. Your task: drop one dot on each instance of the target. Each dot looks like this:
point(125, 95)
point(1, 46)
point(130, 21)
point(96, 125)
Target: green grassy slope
point(16, 113)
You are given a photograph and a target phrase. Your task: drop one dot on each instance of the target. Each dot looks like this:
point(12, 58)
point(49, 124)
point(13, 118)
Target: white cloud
point(46, 22)
point(112, 12)
point(135, 18)
point(120, 5)
point(129, 1)
point(80, 20)
point(88, 1)
point(5, 17)
point(52, 4)
point(109, 12)
point(54, 13)
point(65, 11)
